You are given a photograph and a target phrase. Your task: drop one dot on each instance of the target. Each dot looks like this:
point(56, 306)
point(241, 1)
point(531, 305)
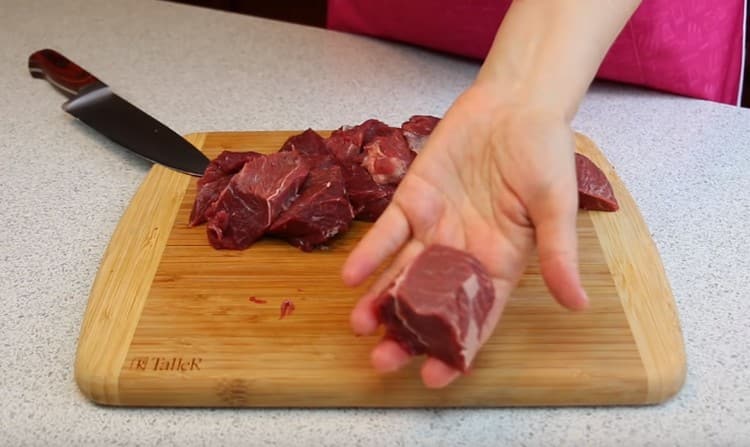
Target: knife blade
point(94, 103)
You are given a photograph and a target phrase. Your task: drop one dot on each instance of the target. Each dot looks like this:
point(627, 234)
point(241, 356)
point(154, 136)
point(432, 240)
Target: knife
point(92, 101)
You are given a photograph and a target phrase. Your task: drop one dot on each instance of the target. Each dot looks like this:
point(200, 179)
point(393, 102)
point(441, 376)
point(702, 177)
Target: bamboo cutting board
point(169, 321)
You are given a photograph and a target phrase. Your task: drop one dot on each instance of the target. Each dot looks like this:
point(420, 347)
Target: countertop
point(64, 188)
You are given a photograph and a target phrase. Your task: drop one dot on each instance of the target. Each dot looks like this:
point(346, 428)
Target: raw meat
point(206, 196)
point(255, 196)
point(368, 199)
point(594, 190)
point(216, 177)
point(417, 129)
point(387, 157)
point(321, 211)
point(439, 305)
point(372, 128)
point(226, 163)
point(347, 143)
point(312, 147)
point(244, 195)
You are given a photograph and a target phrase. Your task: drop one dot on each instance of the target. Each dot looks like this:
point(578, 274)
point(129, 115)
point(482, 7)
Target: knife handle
point(60, 72)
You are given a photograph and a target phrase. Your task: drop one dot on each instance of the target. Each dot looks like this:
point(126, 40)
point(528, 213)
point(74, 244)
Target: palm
point(481, 186)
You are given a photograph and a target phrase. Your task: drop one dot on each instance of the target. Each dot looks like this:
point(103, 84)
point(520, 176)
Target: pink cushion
point(688, 47)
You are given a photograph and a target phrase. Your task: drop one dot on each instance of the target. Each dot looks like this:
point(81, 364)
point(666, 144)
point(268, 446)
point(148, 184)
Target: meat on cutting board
point(368, 198)
point(347, 143)
point(244, 195)
point(387, 157)
point(594, 190)
point(310, 146)
point(350, 144)
point(216, 177)
point(439, 305)
point(417, 129)
point(254, 197)
point(205, 197)
point(321, 212)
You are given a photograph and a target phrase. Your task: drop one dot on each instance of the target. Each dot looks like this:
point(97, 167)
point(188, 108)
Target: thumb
point(557, 247)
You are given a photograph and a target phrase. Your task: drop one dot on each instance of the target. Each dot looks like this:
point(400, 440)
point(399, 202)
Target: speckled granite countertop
point(686, 162)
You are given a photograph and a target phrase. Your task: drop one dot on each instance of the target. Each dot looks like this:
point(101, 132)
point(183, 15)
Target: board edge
point(115, 302)
point(654, 322)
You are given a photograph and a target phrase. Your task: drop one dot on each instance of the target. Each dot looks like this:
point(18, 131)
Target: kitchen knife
point(92, 101)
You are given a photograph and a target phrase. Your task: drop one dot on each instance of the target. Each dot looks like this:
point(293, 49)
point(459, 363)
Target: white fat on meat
point(397, 308)
point(469, 350)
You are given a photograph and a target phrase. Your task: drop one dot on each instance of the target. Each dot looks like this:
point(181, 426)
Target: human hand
point(496, 179)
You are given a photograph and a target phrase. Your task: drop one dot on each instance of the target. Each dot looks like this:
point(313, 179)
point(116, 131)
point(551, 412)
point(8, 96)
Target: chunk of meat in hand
point(439, 305)
point(482, 184)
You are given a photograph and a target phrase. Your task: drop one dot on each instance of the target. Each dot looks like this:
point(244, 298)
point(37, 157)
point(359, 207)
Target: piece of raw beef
point(347, 143)
point(417, 129)
point(368, 199)
point(321, 211)
point(387, 157)
point(310, 146)
point(439, 305)
point(253, 199)
point(216, 177)
point(594, 190)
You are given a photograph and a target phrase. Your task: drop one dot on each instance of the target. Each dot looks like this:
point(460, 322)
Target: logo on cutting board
point(165, 364)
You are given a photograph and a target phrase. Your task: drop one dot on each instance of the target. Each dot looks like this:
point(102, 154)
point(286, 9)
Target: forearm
point(547, 52)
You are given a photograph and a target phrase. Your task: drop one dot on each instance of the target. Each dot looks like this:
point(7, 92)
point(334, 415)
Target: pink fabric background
point(687, 47)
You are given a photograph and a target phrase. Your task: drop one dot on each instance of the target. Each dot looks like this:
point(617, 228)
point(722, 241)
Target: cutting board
point(170, 322)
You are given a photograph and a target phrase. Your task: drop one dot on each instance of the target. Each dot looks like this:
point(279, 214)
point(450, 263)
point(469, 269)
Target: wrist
point(546, 53)
point(513, 97)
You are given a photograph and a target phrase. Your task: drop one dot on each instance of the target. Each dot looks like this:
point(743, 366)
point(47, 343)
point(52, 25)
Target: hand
point(495, 179)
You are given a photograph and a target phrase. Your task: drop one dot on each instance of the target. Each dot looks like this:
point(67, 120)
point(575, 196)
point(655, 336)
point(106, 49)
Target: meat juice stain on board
point(287, 307)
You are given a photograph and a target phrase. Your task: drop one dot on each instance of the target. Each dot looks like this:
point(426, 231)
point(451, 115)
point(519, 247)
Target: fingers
point(436, 374)
point(363, 318)
point(385, 237)
point(557, 245)
point(388, 356)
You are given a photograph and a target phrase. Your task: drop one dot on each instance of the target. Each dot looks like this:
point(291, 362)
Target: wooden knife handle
point(60, 72)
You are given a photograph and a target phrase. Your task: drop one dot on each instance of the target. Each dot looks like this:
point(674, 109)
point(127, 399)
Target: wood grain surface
point(170, 321)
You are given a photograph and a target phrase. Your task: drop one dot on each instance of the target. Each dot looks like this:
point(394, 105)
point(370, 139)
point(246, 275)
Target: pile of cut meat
point(311, 190)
